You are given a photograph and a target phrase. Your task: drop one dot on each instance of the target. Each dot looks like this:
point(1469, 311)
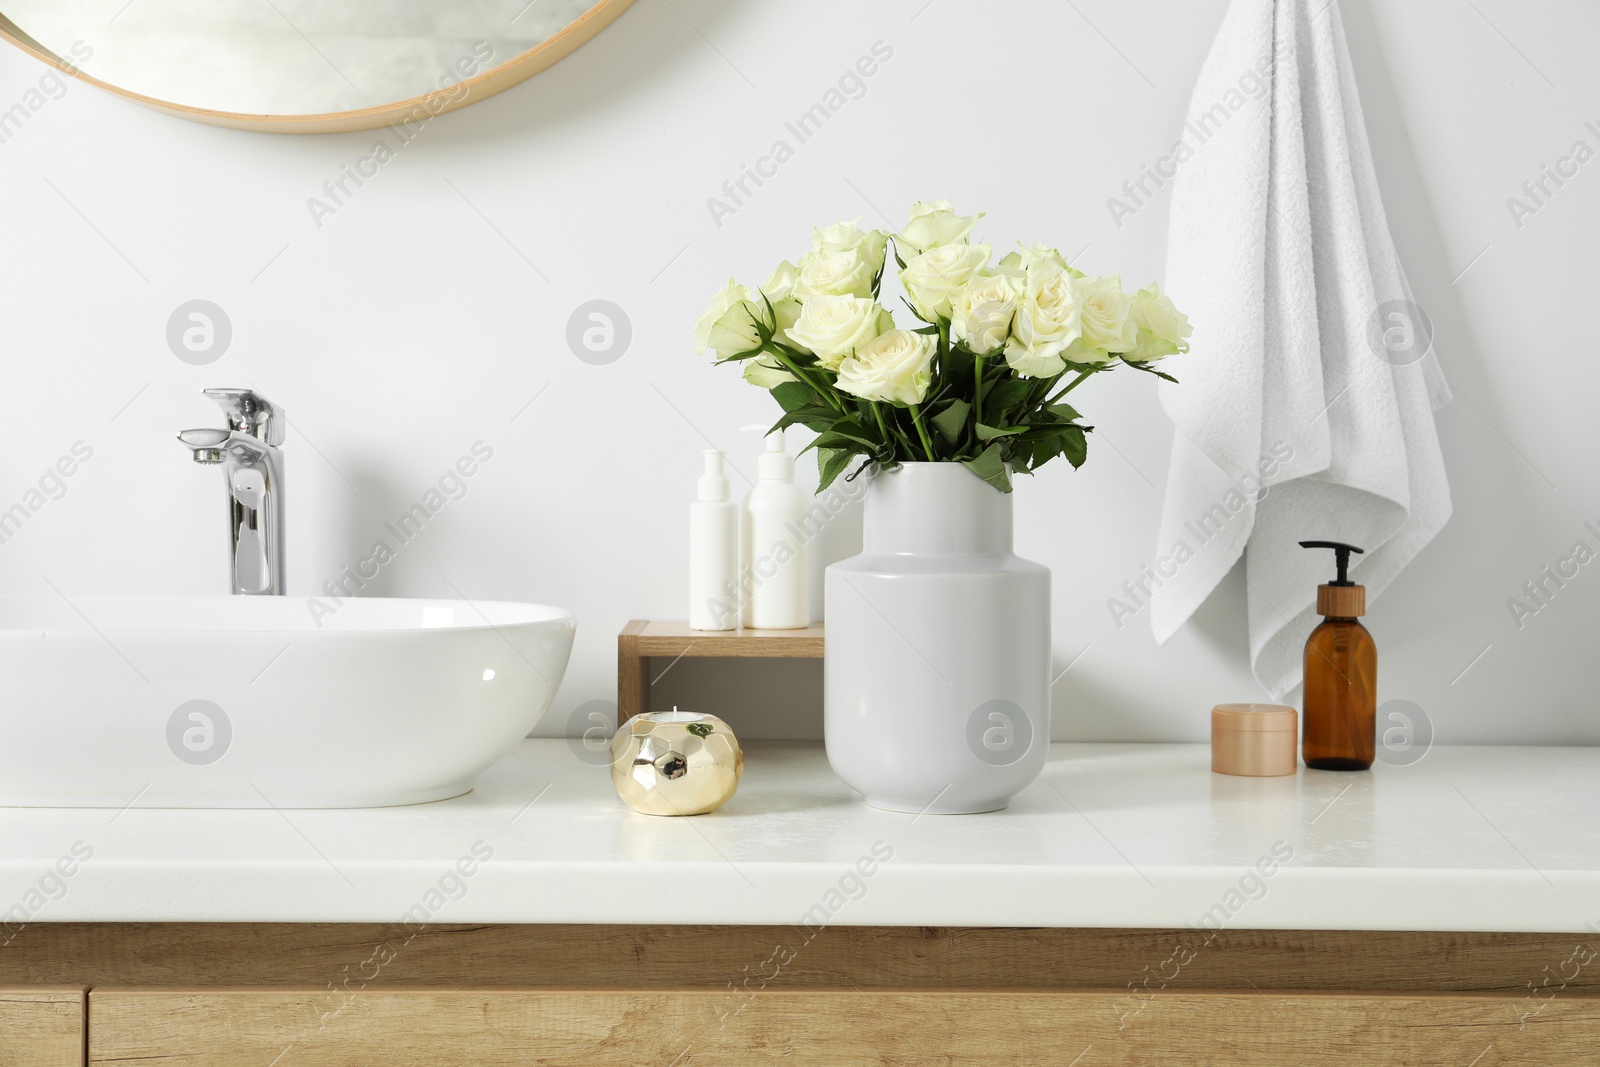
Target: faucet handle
point(250, 412)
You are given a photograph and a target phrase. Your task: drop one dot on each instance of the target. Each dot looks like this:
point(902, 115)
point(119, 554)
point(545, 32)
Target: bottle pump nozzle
point(713, 484)
point(1341, 556)
point(776, 462)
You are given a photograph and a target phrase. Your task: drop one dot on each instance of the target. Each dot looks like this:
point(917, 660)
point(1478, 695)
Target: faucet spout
point(252, 465)
point(204, 443)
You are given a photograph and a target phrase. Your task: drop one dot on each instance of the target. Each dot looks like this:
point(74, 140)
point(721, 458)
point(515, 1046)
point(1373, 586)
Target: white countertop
point(1486, 839)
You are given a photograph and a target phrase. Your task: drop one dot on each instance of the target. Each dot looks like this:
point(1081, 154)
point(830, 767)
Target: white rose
point(936, 278)
point(839, 237)
point(727, 298)
point(1163, 329)
point(737, 330)
point(1017, 264)
point(780, 283)
point(832, 326)
point(824, 273)
point(893, 367)
point(1044, 255)
point(766, 372)
point(981, 316)
point(1104, 307)
point(786, 313)
point(870, 245)
point(1047, 321)
point(934, 223)
point(844, 235)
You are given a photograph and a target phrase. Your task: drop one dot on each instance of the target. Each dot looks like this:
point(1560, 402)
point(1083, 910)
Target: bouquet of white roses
point(979, 382)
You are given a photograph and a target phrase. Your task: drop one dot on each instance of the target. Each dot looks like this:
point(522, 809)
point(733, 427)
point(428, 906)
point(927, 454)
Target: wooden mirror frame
point(479, 87)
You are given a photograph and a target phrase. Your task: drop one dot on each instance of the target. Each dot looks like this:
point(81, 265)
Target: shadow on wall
point(369, 513)
point(625, 61)
point(1415, 224)
point(1221, 625)
point(838, 538)
point(391, 544)
point(1495, 493)
point(1082, 711)
point(760, 699)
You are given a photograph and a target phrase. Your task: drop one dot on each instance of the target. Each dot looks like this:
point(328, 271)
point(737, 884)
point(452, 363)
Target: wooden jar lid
point(1341, 601)
point(1255, 718)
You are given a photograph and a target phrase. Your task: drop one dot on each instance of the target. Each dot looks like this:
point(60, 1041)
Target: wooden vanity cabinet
point(195, 995)
point(41, 1026)
point(848, 1028)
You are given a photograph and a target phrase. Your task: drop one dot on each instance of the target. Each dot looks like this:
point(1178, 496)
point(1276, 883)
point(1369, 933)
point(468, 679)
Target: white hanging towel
point(1306, 408)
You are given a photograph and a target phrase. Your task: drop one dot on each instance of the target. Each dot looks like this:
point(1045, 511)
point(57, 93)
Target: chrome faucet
point(250, 456)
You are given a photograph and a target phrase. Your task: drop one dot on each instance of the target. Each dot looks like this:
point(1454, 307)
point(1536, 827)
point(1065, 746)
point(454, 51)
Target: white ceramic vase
point(937, 671)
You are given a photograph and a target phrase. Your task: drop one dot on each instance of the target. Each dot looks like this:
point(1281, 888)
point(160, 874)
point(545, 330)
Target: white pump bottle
point(774, 573)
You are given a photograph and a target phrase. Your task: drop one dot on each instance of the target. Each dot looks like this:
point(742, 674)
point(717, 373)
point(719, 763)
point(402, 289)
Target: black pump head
point(1341, 555)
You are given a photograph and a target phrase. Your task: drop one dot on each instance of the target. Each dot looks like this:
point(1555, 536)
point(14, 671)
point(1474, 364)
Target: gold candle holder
point(675, 763)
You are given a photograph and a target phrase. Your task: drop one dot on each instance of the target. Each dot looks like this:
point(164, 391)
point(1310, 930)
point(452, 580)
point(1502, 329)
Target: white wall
point(407, 327)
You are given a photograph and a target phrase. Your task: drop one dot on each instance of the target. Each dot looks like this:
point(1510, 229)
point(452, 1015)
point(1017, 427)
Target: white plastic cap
point(775, 464)
point(714, 482)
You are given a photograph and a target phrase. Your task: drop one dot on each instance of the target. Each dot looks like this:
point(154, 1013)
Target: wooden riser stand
point(643, 639)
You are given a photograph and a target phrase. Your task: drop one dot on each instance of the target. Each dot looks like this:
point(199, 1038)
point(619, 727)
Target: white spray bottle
point(713, 552)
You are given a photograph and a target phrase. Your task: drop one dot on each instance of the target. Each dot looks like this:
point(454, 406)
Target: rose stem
point(922, 431)
point(1069, 388)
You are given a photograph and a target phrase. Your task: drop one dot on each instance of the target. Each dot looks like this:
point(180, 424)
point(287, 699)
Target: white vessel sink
point(247, 702)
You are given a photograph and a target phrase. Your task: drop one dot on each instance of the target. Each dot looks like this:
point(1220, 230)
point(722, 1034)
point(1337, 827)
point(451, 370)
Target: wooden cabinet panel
point(509, 1028)
point(309, 955)
point(41, 1027)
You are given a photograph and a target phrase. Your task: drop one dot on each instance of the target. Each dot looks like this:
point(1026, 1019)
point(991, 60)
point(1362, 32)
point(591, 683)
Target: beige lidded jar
point(1254, 740)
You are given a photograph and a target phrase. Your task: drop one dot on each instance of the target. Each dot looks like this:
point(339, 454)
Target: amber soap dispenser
point(1341, 677)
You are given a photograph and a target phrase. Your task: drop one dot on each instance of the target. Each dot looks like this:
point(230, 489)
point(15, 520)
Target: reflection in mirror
point(287, 57)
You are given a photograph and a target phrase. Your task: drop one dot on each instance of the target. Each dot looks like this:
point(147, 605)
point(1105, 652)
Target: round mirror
point(304, 65)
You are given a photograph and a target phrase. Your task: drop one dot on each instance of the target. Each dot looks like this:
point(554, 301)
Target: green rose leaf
point(1149, 368)
point(844, 442)
point(1042, 451)
point(1008, 394)
point(991, 467)
point(1074, 445)
point(989, 433)
point(792, 396)
point(951, 421)
point(816, 418)
point(848, 434)
point(1039, 446)
point(831, 462)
